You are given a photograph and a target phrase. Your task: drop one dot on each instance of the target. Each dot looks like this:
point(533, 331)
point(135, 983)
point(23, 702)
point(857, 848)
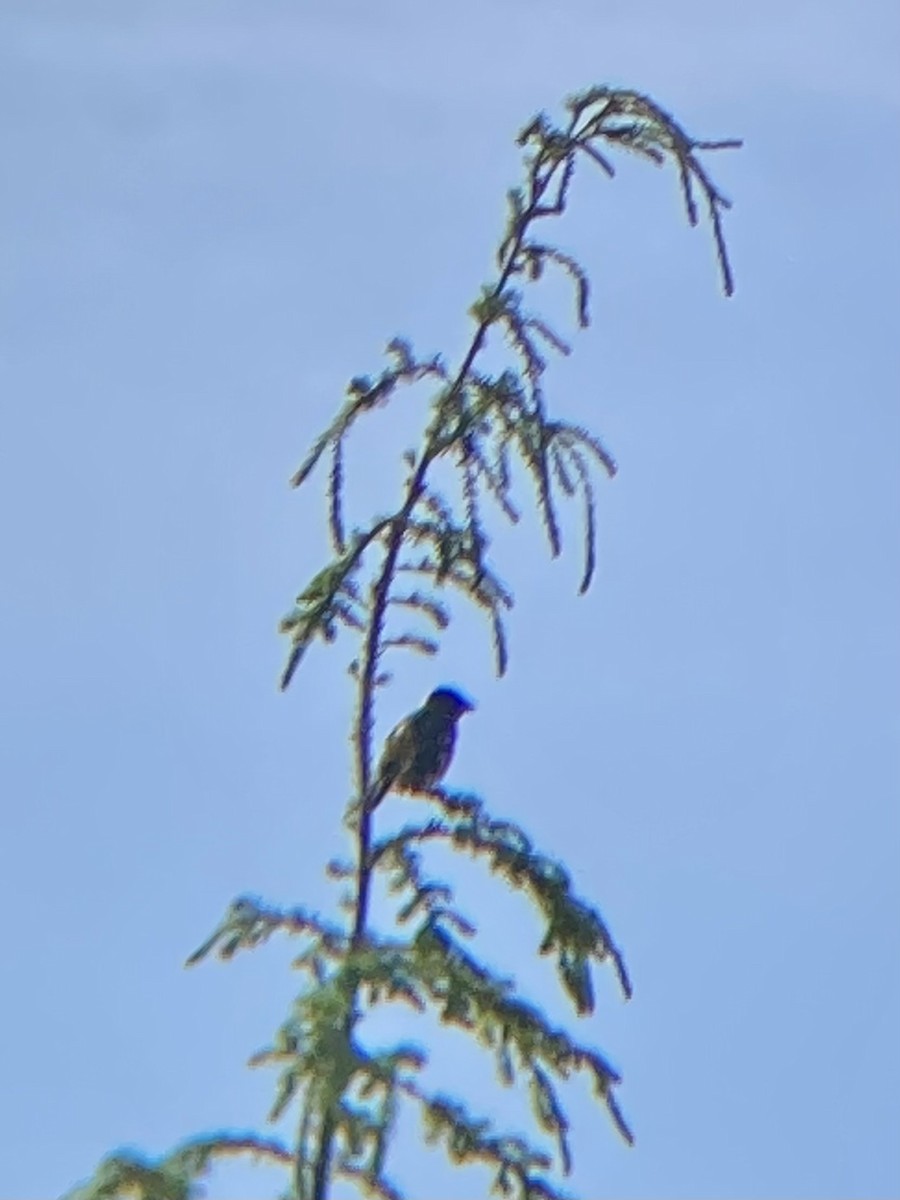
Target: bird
point(418, 751)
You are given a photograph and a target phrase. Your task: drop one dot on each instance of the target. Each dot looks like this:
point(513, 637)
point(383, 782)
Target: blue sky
point(214, 214)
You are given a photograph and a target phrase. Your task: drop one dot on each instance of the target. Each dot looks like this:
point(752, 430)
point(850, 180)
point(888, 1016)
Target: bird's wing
point(394, 758)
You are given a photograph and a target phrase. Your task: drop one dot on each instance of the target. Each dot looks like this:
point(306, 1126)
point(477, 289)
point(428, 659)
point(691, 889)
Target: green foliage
point(175, 1176)
point(345, 1098)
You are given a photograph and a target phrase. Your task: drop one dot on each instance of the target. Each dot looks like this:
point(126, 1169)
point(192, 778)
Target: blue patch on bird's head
point(450, 700)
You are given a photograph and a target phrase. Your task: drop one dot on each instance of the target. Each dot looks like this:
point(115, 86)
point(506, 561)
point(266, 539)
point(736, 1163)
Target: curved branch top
point(481, 420)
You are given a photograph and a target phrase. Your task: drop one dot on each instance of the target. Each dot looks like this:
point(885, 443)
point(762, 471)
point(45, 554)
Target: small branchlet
point(331, 598)
point(179, 1174)
point(453, 556)
point(469, 1140)
point(249, 923)
point(573, 930)
point(469, 995)
point(365, 394)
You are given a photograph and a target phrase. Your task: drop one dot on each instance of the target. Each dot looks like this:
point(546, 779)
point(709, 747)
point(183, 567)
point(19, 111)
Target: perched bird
point(419, 750)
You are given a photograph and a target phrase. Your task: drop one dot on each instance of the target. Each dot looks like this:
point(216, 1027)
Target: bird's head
point(449, 702)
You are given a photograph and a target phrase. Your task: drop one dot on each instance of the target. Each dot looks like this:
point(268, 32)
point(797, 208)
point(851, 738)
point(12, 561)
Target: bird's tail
point(377, 793)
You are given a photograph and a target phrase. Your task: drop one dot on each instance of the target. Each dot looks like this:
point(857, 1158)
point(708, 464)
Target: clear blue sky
point(213, 215)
